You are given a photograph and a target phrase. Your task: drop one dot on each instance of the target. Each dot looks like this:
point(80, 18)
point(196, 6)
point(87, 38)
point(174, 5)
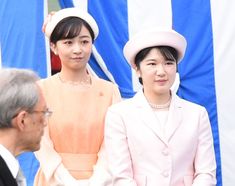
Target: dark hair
point(169, 53)
point(69, 28)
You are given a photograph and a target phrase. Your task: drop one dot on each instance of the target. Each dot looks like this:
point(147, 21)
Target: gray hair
point(18, 91)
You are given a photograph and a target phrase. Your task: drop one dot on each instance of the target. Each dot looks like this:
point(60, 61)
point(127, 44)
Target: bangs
point(69, 28)
point(169, 53)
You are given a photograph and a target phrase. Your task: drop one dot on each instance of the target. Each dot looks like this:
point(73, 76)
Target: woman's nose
point(160, 70)
point(76, 48)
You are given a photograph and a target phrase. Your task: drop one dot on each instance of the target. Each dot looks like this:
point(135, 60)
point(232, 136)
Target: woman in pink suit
point(156, 138)
point(71, 153)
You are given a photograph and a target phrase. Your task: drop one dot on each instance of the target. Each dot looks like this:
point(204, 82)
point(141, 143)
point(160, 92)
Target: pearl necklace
point(163, 106)
point(75, 83)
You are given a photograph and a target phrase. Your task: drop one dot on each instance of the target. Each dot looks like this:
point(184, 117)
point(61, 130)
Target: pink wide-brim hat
point(151, 38)
point(71, 12)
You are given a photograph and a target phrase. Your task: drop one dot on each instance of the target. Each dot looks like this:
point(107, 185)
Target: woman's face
point(158, 74)
point(74, 53)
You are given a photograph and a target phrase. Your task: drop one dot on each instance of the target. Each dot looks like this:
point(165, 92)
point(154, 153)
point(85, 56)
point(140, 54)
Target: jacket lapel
point(174, 117)
point(150, 120)
point(147, 116)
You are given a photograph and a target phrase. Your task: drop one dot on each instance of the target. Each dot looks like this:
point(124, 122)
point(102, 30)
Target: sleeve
point(101, 175)
point(116, 146)
point(51, 163)
point(205, 164)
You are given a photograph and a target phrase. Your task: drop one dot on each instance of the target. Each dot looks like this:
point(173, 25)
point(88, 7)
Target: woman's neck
point(159, 101)
point(75, 77)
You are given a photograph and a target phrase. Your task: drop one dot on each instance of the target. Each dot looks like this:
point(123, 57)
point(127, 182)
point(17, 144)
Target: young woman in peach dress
point(71, 149)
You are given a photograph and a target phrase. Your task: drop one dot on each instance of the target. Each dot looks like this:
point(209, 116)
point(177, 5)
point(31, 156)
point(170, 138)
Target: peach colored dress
point(75, 130)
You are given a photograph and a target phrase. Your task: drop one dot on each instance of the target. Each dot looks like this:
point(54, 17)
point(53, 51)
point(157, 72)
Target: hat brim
point(151, 38)
point(71, 12)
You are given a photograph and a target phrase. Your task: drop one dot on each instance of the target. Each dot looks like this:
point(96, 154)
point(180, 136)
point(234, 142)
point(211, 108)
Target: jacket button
point(165, 152)
point(165, 174)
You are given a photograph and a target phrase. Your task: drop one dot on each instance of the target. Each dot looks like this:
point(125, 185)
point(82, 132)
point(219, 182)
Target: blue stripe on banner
point(111, 40)
point(66, 3)
point(23, 46)
point(22, 41)
point(97, 69)
point(197, 68)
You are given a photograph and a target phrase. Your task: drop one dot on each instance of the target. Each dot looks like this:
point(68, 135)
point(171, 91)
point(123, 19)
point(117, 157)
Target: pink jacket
point(140, 153)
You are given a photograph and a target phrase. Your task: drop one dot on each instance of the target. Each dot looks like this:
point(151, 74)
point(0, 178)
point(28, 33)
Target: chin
point(162, 91)
point(36, 147)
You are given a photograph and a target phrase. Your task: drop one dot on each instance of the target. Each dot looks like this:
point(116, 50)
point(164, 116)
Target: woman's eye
point(68, 42)
point(151, 64)
point(85, 42)
point(170, 62)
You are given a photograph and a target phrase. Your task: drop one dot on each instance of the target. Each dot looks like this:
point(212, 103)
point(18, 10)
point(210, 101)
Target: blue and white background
point(206, 72)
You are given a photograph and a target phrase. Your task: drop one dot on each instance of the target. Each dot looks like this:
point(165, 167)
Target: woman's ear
point(138, 74)
point(53, 48)
point(137, 70)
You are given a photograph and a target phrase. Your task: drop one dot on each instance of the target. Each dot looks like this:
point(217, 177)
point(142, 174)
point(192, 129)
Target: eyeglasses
point(47, 113)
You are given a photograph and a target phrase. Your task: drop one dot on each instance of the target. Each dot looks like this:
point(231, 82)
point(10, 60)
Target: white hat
point(151, 38)
point(70, 12)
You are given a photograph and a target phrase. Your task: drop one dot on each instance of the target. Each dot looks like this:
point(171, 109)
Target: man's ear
point(19, 120)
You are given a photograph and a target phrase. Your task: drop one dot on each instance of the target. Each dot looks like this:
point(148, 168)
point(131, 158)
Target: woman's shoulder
point(125, 105)
point(102, 81)
point(104, 84)
point(189, 105)
point(48, 82)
